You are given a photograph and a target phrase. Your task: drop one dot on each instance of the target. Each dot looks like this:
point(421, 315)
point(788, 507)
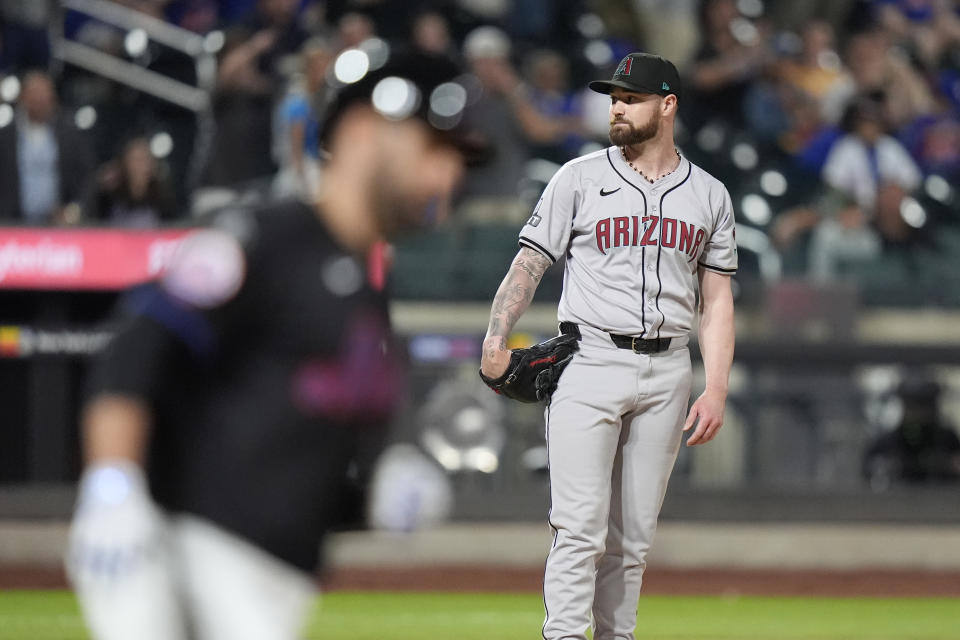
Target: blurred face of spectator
point(866, 58)
point(869, 128)
point(354, 28)
point(817, 39)
point(489, 70)
point(548, 72)
point(431, 33)
point(277, 12)
point(719, 13)
point(487, 49)
point(38, 98)
point(315, 64)
point(634, 117)
point(941, 144)
point(138, 163)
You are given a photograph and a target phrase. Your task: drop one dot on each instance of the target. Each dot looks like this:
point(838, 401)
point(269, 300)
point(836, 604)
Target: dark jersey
point(264, 354)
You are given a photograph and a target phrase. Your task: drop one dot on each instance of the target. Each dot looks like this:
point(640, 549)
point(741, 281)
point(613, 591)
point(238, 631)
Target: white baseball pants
point(614, 426)
point(207, 580)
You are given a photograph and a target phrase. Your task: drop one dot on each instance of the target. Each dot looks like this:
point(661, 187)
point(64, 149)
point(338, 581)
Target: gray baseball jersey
point(632, 247)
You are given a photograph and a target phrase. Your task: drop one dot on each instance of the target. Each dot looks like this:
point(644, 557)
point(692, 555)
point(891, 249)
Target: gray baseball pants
point(614, 427)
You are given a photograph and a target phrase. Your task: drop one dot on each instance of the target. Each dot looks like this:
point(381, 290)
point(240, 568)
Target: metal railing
point(202, 49)
point(198, 47)
point(134, 76)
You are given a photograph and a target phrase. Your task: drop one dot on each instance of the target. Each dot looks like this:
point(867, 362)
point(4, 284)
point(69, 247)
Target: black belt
point(637, 345)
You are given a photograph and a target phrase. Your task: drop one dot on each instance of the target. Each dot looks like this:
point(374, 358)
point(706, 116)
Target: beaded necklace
point(623, 153)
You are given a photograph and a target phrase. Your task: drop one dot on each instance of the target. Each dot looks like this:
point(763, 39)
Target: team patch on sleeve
point(207, 269)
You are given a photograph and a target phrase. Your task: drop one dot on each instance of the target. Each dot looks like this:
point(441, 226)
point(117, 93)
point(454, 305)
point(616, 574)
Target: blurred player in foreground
point(226, 411)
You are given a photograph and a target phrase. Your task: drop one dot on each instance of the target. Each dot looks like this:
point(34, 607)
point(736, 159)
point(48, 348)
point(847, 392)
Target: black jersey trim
point(663, 318)
point(717, 269)
point(643, 250)
point(527, 242)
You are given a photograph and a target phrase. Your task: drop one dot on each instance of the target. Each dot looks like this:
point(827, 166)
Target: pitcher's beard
point(633, 135)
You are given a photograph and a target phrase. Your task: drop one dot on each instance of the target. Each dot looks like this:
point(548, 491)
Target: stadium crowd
point(835, 124)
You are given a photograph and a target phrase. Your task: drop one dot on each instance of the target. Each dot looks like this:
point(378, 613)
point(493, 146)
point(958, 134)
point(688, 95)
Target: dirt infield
point(656, 581)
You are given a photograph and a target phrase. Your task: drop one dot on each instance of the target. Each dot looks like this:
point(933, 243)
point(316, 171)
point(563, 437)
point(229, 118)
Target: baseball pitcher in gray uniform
point(643, 230)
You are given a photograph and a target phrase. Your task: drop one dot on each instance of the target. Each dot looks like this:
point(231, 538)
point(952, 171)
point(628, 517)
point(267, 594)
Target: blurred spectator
point(778, 113)
point(934, 140)
point(866, 160)
point(24, 43)
point(793, 15)
point(817, 69)
point(623, 28)
point(867, 175)
point(668, 27)
point(131, 191)
point(553, 124)
point(242, 108)
point(803, 124)
point(354, 27)
point(297, 134)
point(430, 33)
point(922, 447)
point(732, 55)
point(491, 191)
point(879, 69)
point(46, 163)
point(794, 110)
point(518, 118)
point(928, 29)
point(280, 18)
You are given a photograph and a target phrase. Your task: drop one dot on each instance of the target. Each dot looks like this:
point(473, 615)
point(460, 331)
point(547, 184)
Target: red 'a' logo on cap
point(624, 68)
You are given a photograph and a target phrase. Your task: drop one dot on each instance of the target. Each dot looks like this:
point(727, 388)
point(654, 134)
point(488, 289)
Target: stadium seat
point(425, 265)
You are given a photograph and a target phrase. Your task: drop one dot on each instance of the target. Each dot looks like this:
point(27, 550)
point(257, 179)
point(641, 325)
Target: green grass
point(53, 615)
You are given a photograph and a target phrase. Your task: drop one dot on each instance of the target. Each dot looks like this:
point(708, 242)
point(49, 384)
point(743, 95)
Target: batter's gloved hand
point(116, 527)
point(533, 373)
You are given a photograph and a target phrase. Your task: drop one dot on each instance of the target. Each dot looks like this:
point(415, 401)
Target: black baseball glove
point(533, 372)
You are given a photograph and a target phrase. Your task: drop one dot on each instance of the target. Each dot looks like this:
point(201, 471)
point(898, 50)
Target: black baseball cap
point(406, 84)
point(643, 73)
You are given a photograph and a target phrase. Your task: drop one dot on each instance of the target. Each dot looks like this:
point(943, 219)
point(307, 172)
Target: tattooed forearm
point(515, 293)
point(493, 345)
point(533, 263)
point(511, 301)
